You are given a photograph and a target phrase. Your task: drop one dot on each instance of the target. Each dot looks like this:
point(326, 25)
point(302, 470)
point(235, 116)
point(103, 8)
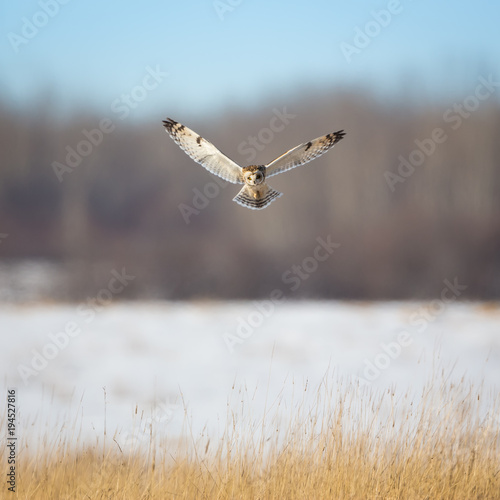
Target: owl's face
point(253, 176)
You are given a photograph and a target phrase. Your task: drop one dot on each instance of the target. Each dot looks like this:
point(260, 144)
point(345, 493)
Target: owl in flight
point(256, 193)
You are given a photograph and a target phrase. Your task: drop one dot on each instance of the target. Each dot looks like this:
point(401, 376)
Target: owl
point(255, 193)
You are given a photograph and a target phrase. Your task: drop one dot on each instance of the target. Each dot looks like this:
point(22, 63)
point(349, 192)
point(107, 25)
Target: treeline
point(408, 199)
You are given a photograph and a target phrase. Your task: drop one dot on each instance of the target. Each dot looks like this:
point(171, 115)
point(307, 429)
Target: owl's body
point(256, 193)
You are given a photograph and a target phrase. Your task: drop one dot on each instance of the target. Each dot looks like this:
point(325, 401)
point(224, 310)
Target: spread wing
point(204, 152)
point(303, 153)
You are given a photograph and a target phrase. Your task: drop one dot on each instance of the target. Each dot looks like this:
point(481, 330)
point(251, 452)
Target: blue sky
point(86, 54)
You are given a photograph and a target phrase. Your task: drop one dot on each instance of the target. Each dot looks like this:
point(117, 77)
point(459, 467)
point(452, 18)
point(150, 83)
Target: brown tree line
point(410, 198)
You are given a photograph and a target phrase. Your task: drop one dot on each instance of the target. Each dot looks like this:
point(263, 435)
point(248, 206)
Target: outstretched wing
point(303, 153)
point(204, 152)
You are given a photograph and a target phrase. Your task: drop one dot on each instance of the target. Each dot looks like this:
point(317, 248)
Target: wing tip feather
point(170, 124)
point(336, 136)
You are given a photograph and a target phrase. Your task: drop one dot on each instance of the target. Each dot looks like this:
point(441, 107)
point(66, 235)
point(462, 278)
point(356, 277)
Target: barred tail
point(256, 197)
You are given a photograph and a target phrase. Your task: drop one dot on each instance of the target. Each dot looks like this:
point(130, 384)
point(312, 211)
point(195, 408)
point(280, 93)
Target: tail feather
point(256, 197)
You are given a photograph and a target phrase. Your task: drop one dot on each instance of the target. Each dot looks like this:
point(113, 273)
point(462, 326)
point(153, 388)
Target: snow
point(163, 358)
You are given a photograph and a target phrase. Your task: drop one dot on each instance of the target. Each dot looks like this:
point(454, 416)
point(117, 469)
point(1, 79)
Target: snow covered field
point(165, 357)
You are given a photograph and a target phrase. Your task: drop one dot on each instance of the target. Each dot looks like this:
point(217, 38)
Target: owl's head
point(254, 175)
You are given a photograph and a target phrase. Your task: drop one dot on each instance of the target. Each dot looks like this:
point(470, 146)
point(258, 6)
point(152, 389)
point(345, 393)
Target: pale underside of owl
point(256, 193)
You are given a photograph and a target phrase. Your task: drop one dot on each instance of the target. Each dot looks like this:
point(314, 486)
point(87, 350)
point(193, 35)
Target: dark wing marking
point(303, 153)
point(203, 152)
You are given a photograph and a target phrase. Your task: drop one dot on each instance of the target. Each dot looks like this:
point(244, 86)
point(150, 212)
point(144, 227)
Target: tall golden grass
point(349, 442)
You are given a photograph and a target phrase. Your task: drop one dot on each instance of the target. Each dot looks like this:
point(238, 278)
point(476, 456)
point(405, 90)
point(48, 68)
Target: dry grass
point(352, 443)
